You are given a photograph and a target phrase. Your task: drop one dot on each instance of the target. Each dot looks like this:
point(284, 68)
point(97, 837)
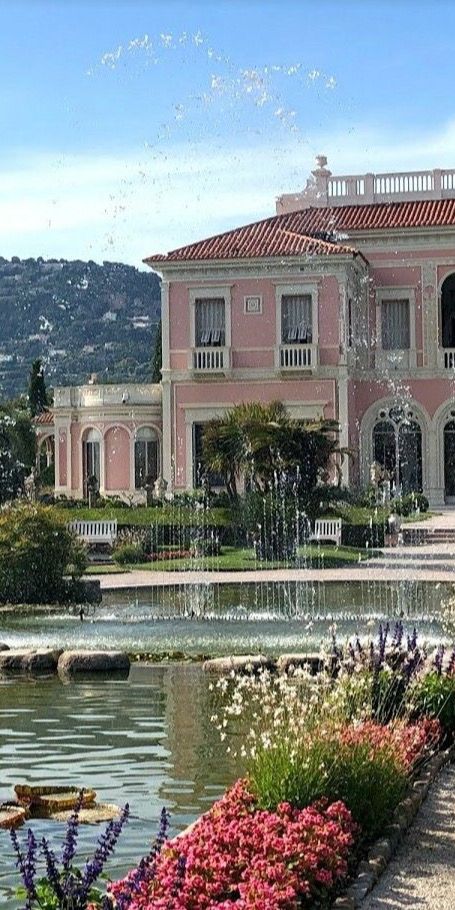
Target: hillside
point(79, 317)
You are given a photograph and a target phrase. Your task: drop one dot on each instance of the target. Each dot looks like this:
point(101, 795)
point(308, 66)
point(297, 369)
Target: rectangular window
point(296, 319)
point(210, 329)
point(395, 327)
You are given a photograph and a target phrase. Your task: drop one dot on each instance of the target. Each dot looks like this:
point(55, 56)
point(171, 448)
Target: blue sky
point(129, 128)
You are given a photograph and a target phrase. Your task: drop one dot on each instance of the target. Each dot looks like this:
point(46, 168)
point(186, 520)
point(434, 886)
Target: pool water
point(147, 741)
point(231, 619)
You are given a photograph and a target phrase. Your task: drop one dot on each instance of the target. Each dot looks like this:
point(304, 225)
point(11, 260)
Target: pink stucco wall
point(117, 458)
point(61, 455)
point(117, 451)
point(254, 336)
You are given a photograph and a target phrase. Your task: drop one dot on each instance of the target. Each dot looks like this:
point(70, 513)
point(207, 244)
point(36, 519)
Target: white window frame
point(285, 290)
point(408, 354)
point(206, 293)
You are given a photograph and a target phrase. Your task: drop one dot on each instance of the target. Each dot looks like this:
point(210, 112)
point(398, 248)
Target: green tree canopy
point(36, 551)
point(157, 361)
point(264, 444)
point(38, 400)
point(17, 448)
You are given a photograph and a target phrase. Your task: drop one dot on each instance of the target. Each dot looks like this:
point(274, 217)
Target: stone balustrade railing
point(325, 189)
point(115, 395)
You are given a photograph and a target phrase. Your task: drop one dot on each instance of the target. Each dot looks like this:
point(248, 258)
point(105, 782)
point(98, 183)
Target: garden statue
point(160, 487)
point(30, 485)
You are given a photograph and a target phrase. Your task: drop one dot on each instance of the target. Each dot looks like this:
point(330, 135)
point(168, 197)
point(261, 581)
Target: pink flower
point(239, 856)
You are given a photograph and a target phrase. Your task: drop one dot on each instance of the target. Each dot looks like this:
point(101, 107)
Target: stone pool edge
point(370, 870)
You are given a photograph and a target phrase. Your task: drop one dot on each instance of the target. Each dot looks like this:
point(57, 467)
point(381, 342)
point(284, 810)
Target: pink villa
point(341, 305)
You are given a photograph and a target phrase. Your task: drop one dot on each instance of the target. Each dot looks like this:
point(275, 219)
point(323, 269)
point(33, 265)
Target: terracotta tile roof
point(313, 231)
point(271, 237)
point(46, 417)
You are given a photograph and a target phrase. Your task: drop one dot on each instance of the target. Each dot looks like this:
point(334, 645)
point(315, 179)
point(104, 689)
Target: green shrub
point(363, 535)
point(434, 696)
point(129, 553)
point(369, 781)
point(407, 505)
point(46, 476)
point(36, 551)
point(271, 523)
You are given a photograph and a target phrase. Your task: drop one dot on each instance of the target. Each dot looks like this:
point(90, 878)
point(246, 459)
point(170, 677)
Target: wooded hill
point(79, 317)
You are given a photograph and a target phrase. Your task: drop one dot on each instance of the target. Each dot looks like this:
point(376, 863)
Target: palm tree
point(261, 442)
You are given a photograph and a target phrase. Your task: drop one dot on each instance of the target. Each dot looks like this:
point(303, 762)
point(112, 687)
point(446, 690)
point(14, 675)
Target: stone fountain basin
point(67, 663)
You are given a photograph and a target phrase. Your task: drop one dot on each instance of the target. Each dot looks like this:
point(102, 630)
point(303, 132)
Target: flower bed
point(240, 856)
point(324, 763)
point(245, 857)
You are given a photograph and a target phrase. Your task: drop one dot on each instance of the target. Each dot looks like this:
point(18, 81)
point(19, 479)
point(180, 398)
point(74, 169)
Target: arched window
point(91, 460)
point(397, 447)
point(384, 446)
point(146, 457)
point(449, 460)
point(410, 455)
point(448, 312)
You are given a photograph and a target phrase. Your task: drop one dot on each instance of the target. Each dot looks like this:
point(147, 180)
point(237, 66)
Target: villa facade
point(342, 305)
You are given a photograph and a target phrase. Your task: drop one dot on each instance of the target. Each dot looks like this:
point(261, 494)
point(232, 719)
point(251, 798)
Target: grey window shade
point(210, 321)
point(145, 462)
point(296, 319)
point(395, 327)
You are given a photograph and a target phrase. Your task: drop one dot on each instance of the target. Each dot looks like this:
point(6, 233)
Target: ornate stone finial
point(321, 170)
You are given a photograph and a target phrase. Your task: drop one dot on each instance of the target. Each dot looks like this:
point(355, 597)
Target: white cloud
point(126, 206)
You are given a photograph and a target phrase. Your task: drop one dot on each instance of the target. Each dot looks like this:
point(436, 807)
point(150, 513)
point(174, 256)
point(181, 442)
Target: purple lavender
point(383, 635)
point(72, 831)
point(439, 656)
point(106, 846)
point(397, 637)
point(145, 870)
point(53, 874)
point(450, 670)
point(26, 863)
point(69, 887)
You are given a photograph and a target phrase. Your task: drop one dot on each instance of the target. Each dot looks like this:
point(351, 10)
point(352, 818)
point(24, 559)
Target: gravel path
point(421, 876)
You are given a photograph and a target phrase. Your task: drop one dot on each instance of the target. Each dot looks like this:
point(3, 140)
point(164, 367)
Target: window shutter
point(296, 319)
point(210, 321)
point(395, 325)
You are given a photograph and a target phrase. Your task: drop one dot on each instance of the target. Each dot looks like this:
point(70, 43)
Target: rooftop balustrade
point(324, 189)
point(89, 396)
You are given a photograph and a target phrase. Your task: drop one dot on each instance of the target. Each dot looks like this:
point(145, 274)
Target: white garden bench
point(327, 529)
point(95, 531)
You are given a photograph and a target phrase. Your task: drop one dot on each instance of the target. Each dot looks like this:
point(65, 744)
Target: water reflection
point(147, 740)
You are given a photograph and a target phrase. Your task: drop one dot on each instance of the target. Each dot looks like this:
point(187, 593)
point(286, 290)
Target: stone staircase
point(427, 536)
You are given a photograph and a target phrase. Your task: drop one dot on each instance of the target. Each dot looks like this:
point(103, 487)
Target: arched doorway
point(448, 312)
point(397, 448)
point(449, 461)
point(91, 462)
point(146, 457)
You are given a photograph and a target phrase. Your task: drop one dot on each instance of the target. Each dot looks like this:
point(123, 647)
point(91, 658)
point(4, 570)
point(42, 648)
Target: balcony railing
point(92, 396)
point(210, 360)
point(447, 358)
point(297, 356)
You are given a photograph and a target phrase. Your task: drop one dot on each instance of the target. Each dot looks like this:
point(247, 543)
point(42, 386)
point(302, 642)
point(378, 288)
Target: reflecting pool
point(147, 741)
point(222, 619)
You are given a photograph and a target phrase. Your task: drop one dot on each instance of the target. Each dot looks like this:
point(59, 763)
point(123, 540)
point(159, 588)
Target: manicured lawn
point(238, 559)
